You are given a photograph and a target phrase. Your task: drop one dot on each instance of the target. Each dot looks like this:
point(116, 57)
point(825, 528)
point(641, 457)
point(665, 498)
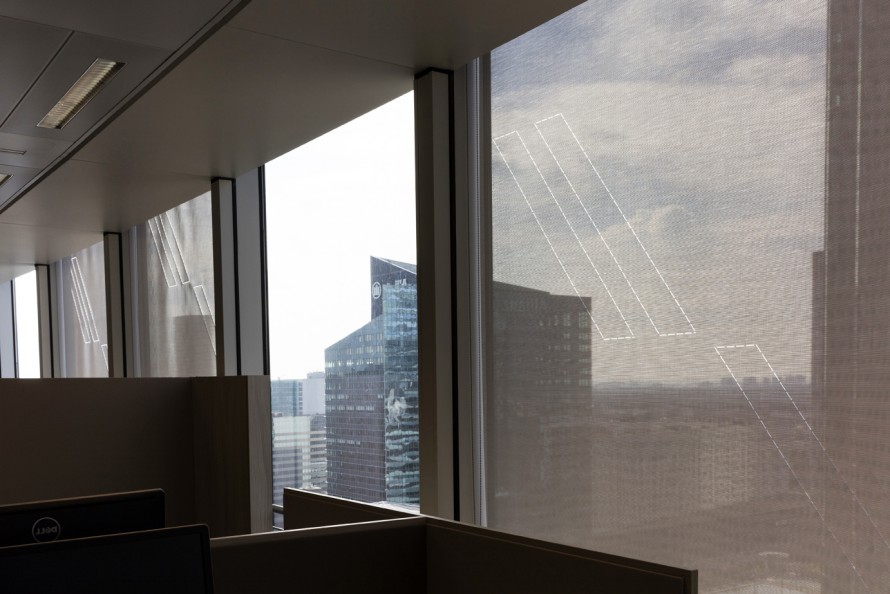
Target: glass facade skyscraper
point(371, 395)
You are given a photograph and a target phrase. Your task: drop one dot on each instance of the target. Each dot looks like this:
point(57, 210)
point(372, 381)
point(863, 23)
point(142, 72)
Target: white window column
point(239, 251)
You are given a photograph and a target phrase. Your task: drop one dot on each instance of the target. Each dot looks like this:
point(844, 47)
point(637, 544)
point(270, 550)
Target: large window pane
point(343, 311)
point(173, 296)
point(690, 294)
point(83, 333)
point(26, 327)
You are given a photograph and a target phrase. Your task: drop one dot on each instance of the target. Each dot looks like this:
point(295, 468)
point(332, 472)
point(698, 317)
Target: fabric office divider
point(386, 557)
point(474, 560)
point(303, 509)
point(468, 559)
point(193, 438)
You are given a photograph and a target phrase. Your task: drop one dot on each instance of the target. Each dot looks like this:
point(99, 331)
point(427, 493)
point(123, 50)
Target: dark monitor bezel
point(116, 540)
point(152, 500)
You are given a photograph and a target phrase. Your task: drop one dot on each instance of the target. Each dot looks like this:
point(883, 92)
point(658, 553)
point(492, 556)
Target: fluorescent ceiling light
point(7, 151)
point(4, 177)
point(80, 93)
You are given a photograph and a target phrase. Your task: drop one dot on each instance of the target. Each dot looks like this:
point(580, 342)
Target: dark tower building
point(371, 395)
point(542, 382)
point(853, 343)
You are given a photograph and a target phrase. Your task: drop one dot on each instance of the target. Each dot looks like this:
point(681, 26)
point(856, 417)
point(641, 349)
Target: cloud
point(662, 41)
point(706, 120)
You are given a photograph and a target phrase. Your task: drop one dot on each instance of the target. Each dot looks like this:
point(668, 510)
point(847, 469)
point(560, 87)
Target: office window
point(343, 311)
point(80, 293)
point(26, 328)
point(173, 296)
point(690, 290)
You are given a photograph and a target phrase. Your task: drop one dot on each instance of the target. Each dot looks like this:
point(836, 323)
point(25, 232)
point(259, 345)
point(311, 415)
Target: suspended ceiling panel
point(46, 46)
point(166, 24)
point(25, 50)
point(28, 151)
point(413, 33)
point(77, 54)
point(97, 197)
point(24, 245)
point(241, 100)
point(278, 74)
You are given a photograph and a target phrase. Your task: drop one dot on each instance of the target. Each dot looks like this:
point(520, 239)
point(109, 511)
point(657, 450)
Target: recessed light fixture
point(4, 177)
point(80, 93)
point(7, 151)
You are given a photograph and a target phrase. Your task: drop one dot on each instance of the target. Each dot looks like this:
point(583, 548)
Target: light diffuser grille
point(86, 87)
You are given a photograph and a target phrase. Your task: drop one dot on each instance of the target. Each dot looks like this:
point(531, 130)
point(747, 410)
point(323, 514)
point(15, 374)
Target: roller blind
point(691, 291)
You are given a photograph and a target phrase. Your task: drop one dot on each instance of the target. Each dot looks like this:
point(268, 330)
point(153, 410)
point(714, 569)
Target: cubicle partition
point(311, 510)
point(412, 553)
point(422, 554)
point(386, 556)
point(472, 560)
point(195, 438)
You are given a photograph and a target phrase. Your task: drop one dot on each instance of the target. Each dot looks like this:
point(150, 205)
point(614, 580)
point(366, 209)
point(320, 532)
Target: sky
point(27, 332)
point(705, 122)
point(331, 204)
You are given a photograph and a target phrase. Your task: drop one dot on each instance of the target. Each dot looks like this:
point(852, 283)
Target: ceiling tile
point(159, 23)
point(241, 100)
point(25, 50)
point(75, 57)
point(19, 177)
point(94, 197)
point(412, 33)
point(39, 152)
point(23, 246)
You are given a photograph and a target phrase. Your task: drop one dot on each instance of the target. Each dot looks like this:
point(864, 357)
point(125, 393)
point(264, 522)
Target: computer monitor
point(170, 560)
point(79, 517)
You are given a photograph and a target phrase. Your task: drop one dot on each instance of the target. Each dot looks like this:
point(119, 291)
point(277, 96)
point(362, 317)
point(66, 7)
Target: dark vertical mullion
point(264, 269)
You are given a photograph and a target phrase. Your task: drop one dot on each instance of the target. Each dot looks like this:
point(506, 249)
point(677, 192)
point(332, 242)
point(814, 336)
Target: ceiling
point(210, 88)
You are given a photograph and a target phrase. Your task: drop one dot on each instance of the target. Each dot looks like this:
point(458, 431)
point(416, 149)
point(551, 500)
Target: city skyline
point(324, 225)
point(371, 395)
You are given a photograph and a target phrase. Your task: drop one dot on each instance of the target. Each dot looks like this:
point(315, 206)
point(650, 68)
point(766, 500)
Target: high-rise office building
point(298, 454)
point(299, 450)
point(287, 397)
point(312, 387)
point(371, 395)
point(541, 356)
point(305, 396)
point(852, 340)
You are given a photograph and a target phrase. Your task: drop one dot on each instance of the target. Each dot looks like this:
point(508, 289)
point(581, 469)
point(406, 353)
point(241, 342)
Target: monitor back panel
point(80, 517)
point(171, 560)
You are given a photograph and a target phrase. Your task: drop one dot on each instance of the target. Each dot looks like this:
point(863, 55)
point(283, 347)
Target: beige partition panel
point(310, 510)
point(205, 441)
point(73, 437)
point(386, 557)
point(470, 560)
point(233, 454)
point(473, 560)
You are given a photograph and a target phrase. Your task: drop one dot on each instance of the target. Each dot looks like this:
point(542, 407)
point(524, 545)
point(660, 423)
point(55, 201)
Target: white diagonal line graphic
point(624, 218)
point(206, 313)
point(174, 250)
point(787, 462)
point(77, 309)
point(595, 226)
point(574, 234)
point(163, 256)
point(824, 451)
point(546, 237)
point(81, 287)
